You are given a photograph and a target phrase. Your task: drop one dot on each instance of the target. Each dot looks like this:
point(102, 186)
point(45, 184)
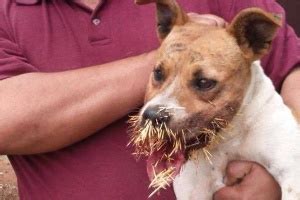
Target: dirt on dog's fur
point(8, 182)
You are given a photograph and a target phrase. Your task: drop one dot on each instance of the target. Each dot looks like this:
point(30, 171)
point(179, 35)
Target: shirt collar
point(27, 2)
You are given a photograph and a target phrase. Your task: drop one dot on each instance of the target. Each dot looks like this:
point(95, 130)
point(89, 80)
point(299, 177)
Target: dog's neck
point(259, 100)
point(259, 93)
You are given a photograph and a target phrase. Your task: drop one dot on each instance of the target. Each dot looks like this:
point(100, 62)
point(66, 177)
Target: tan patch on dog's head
point(203, 72)
point(205, 54)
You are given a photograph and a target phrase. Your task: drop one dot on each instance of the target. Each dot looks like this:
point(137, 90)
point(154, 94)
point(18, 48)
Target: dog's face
point(202, 72)
point(201, 75)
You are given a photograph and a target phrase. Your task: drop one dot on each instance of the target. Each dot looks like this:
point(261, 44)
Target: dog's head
point(201, 76)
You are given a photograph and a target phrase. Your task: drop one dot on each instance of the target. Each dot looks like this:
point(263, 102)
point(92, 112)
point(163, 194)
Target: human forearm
point(42, 112)
point(290, 92)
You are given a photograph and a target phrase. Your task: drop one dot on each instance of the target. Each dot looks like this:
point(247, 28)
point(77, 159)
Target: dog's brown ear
point(254, 30)
point(168, 14)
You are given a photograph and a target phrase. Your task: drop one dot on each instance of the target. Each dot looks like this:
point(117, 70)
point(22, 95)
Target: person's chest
point(89, 3)
point(57, 36)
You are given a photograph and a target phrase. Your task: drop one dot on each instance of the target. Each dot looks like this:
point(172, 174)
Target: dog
point(209, 91)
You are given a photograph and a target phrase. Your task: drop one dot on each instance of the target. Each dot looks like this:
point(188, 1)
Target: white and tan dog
point(210, 79)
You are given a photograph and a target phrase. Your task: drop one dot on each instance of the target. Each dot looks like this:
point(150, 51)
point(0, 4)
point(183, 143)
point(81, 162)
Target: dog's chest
point(203, 175)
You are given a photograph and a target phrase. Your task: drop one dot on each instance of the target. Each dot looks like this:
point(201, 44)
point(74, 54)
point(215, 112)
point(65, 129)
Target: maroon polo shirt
point(58, 35)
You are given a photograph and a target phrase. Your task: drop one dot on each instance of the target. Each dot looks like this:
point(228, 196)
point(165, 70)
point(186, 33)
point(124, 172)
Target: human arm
point(44, 112)
point(54, 110)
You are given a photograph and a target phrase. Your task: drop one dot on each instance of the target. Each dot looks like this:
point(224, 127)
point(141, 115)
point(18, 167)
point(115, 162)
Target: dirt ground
point(8, 183)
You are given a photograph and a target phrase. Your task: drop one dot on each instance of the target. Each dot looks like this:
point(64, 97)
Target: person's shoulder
point(6, 6)
point(7, 3)
point(7, 9)
point(238, 5)
point(268, 5)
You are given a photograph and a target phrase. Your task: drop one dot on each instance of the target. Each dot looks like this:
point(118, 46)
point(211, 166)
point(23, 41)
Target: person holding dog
point(71, 70)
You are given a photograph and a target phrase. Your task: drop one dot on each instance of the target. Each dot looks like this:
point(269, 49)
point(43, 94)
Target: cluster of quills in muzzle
point(150, 134)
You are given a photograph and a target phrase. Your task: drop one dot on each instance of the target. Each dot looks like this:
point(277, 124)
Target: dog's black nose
point(157, 115)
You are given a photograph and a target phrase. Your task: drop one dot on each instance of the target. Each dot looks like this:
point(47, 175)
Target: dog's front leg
point(280, 155)
point(199, 178)
point(289, 182)
point(194, 182)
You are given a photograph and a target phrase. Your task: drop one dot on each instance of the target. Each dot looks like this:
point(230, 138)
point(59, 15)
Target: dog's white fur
point(169, 101)
point(265, 131)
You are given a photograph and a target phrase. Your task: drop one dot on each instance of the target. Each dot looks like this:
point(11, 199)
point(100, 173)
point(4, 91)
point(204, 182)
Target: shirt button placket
point(99, 30)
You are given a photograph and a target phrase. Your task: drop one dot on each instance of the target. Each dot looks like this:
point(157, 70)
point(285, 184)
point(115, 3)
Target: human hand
point(248, 181)
point(207, 19)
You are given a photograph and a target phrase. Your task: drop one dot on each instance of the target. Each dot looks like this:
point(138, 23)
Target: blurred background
point(292, 8)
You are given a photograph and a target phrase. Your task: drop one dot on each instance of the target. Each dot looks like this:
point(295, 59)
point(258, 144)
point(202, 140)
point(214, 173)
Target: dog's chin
point(160, 160)
point(155, 164)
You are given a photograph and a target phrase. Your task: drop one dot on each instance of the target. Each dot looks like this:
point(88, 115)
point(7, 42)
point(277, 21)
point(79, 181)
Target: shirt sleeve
point(12, 60)
point(285, 53)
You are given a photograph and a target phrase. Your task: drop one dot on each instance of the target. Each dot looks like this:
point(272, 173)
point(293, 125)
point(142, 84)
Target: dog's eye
point(158, 74)
point(204, 84)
